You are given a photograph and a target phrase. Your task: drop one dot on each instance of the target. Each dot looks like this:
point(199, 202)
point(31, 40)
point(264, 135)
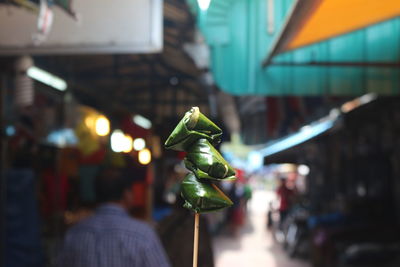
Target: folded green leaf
point(202, 196)
point(193, 126)
point(207, 163)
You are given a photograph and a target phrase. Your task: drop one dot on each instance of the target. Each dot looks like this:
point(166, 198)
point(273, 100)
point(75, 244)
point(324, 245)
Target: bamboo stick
point(196, 239)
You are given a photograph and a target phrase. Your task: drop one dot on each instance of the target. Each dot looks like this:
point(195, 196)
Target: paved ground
point(254, 246)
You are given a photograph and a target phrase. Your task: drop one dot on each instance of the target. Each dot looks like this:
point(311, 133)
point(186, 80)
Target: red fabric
point(240, 176)
point(69, 159)
point(238, 216)
point(55, 192)
point(285, 197)
point(181, 155)
point(149, 176)
point(135, 131)
point(96, 157)
point(294, 103)
point(139, 194)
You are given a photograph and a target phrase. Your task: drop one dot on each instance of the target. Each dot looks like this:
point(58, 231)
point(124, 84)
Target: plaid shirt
point(111, 238)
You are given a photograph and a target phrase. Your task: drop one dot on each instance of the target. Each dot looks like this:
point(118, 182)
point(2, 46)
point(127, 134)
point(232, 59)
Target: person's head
point(112, 185)
point(282, 181)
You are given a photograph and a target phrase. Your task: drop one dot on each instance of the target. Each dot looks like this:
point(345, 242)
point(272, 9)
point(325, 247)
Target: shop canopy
point(312, 21)
point(241, 33)
point(329, 123)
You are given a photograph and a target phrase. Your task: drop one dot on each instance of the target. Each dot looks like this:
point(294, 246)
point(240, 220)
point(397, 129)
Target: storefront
point(352, 187)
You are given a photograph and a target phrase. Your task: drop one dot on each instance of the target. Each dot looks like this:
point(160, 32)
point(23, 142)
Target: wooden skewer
point(196, 239)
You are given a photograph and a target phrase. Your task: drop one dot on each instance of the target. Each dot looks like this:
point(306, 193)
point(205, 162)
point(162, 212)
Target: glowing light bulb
point(127, 144)
point(117, 141)
point(303, 170)
point(121, 142)
point(47, 78)
point(142, 121)
point(89, 122)
point(102, 126)
point(144, 156)
point(204, 4)
point(139, 144)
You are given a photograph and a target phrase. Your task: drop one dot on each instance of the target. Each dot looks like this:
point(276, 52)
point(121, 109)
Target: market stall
point(352, 187)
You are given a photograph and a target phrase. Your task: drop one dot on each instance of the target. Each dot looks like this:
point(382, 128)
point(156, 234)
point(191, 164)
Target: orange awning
point(312, 21)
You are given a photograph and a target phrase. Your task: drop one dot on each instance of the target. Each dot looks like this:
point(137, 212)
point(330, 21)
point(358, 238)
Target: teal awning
point(304, 135)
point(241, 32)
point(330, 123)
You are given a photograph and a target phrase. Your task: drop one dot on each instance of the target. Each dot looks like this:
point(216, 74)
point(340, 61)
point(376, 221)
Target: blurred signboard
point(103, 26)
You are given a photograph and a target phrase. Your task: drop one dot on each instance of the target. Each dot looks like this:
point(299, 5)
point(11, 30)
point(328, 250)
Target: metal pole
point(3, 182)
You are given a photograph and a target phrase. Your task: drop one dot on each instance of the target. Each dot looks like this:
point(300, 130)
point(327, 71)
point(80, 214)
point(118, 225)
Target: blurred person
point(248, 193)
point(235, 216)
point(172, 185)
point(176, 233)
point(111, 237)
point(292, 180)
point(286, 196)
point(269, 215)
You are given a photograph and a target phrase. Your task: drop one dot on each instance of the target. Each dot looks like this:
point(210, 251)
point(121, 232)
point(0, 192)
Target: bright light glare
point(62, 137)
point(117, 141)
point(204, 4)
point(89, 122)
point(127, 144)
point(121, 142)
point(10, 130)
point(255, 160)
point(144, 156)
point(303, 170)
point(139, 144)
point(47, 78)
point(142, 121)
point(102, 126)
point(368, 98)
